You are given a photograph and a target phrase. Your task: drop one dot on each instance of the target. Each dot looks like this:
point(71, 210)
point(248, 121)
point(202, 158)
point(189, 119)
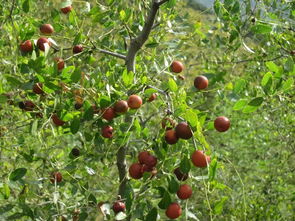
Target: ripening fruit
point(26, 105)
point(57, 121)
point(136, 171)
point(146, 168)
point(151, 161)
point(173, 211)
point(60, 63)
point(107, 131)
point(46, 29)
point(180, 175)
point(77, 49)
point(134, 101)
point(26, 46)
point(41, 43)
point(222, 124)
point(121, 107)
point(75, 152)
point(152, 97)
point(66, 10)
point(183, 131)
point(176, 67)
point(108, 114)
point(184, 192)
point(56, 177)
point(37, 88)
point(143, 156)
point(201, 82)
point(171, 137)
point(200, 159)
point(119, 206)
point(168, 123)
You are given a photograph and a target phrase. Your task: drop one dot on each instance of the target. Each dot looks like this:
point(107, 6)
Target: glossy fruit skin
point(171, 137)
point(66, 10)
point(60, 63)
point(119, 207)
point(136, 171)
point(200, 159)
point(180, 175)
point(37, 88)
point(151, 161)
point(57, 121)
point(77, 49)
point(176, 67)
point(26, 46)
point(134, 101)
point(183, 131)
point(143, 156)
point(152, 97)
point(146, 168)
point(173, 211)
point(46, 29)
point(108, 114)
point(75, 152)
point(121, 107)
point(107, 131)
point(41, 42)
point(26, 105)
point(168, 123)
point(222, 124)
point(56, 176)
point(201, 82)
point(184, 192)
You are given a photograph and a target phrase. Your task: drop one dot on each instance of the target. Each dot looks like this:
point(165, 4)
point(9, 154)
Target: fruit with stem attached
point(201, 82)
point(184, 192)
point(136, 170)
point(222, 124)
point(60, 63)
point(41, 43)
point(200, 159)
point(107, 131)
point(121, 107)
point(119, 206)
point(56, 177)
point(152, 97)
point(173, 211)
point(183, 131)
point(77, 49)
point(46, 29)
point(171, 137)
point(134, 101)
point(26, 46)
point(176, 67)
point(37, 88)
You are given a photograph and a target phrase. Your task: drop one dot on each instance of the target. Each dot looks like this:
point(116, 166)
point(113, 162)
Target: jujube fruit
point(134, 101)
point(26, 46)
point(59, 63)
point(57, 121)
point(56, 177)
point(222, 124)
point(173, 211)
point(108, 114)
point(152, 97)
point(201, 82)
point(135, 171)
point(66, 10)
point(183, 131)
point(168, 123)
point(142, 156)
point(77, 49)
point(26, 105)
point(107, 131)
point(46, 29)
point(200, 159)
point(119, 206)
point(121, 107)
point(41, 43)
point(151, 161)
point(176, 67)
point(171, 137)
point(184, 192)
point(180, 175)
point(37, 88)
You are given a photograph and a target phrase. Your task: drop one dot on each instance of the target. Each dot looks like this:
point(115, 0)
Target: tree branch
point(112, 53)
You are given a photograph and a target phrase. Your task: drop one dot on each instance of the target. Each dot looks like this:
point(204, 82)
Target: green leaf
point(122, 15)
point(152, 215)
point(75, 125)
point(172, 85)
point(3, 99)
point(152, 45)
point(272, 66)
point(191, 117)
point(127, 77)
point(212, 169)
point(34, 127)
point(239, 86)
point(104, 101)
point(219, 205)
point(240, 104)
point(166, 200)
point(5, 191)
point(253, 105)
point(77, 39)
point(185, 165)
point(26, 6)
point(288, 84)
point(261, 29)
point(266, 82)
point(171, 3)
point(173, 185)
point(18, 174)
point(76, 76)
